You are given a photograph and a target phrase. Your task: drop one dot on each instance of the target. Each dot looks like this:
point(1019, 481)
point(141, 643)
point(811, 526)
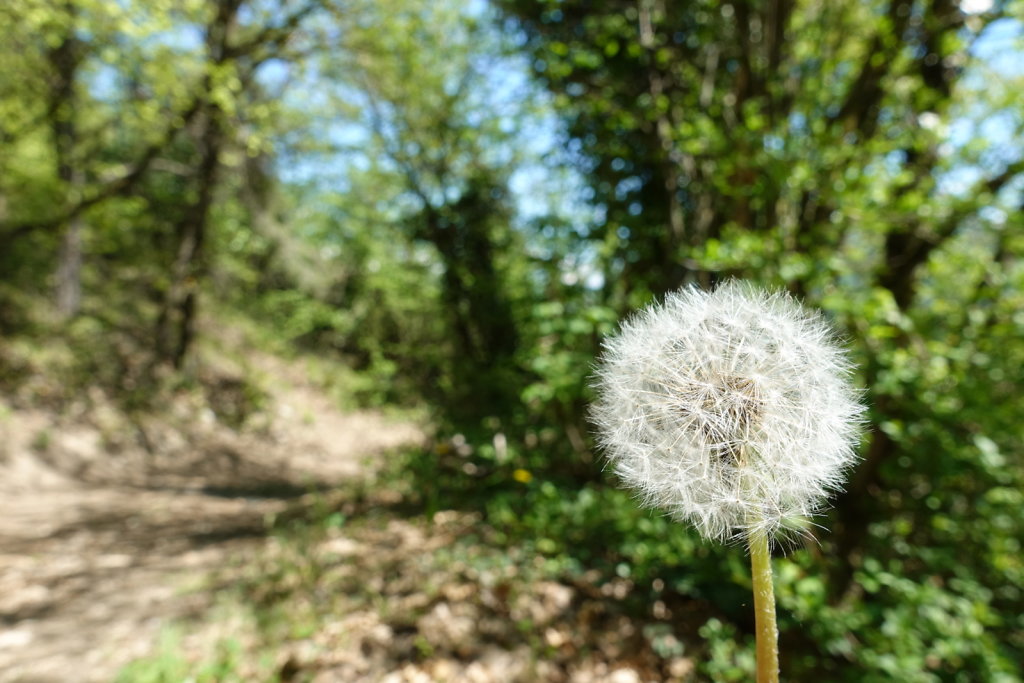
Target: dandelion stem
point(764, 608)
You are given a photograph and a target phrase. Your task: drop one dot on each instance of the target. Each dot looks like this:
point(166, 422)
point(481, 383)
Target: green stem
point(764, 608)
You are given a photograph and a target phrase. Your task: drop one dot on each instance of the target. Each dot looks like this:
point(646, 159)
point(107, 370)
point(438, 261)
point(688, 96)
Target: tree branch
point(907, 250)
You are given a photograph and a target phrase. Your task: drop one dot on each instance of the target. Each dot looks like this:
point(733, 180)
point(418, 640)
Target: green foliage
point(893, 626)
point(171, 666)
point(895, 622)
point(729, 658)
point(717, 147)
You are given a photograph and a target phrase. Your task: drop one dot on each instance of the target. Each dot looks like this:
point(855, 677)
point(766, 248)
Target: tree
point(444, 152)
point(133, 111)
point(234, 51)
point(66, 42)
point(804, 145)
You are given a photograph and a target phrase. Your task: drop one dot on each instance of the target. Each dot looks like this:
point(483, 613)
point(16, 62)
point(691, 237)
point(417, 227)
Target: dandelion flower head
point(732, 410)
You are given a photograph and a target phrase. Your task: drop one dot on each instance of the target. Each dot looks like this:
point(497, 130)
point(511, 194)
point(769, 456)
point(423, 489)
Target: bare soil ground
point(109, 522)
point(116, 527)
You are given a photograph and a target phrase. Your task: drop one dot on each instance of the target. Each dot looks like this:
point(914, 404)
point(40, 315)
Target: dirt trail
point(106, 523)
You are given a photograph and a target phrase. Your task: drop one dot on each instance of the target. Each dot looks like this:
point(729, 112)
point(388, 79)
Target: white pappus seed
point(732, 410)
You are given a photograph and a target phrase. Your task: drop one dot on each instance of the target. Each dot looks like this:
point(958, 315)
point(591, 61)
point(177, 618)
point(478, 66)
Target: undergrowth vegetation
point(570, 579)
point(886, 626)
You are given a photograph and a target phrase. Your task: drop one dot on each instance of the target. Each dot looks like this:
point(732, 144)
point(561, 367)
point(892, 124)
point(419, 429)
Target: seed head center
point(723, 411)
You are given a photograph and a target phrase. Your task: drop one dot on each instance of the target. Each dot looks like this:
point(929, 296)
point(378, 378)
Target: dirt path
point(106, 523)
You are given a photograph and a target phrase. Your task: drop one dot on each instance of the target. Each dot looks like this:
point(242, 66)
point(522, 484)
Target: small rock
point(342, 547)
point(680, 668)
point(15, 638)
point(450, 627)
point(624, 675)
point(547, 601)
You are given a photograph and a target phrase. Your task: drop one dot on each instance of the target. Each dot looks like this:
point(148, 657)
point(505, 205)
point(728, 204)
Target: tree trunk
point(69, 269)
point(177, 321)
point(176, 324)
point(64, 60)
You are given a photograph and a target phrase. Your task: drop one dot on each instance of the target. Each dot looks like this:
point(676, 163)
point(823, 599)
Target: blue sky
point(542, 188)
point(999, 48)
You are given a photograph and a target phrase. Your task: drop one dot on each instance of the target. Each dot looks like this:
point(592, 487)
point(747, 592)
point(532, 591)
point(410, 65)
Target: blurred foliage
point(808, 146)
point(363, 180)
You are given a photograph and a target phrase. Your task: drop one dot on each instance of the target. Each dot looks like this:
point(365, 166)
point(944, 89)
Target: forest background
point(459, 200)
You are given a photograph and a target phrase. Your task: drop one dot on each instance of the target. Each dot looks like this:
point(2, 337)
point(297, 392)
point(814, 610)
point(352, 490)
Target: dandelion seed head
point(732, 410)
